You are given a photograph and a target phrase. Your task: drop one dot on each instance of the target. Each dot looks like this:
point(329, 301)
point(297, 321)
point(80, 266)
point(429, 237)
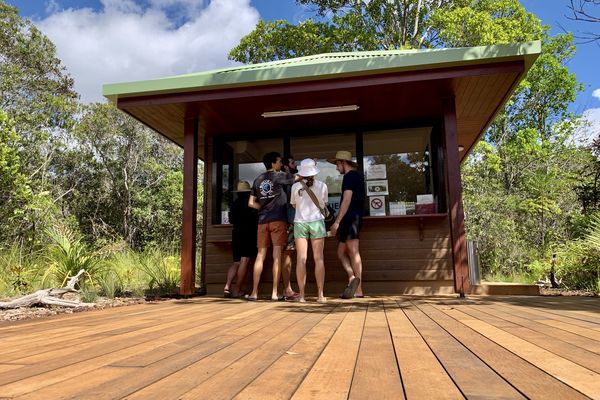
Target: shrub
point(66, 255)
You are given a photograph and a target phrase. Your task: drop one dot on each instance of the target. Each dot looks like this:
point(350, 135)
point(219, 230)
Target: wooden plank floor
point(373, 348)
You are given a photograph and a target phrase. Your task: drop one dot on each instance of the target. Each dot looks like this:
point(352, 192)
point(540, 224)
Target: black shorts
point(243, 245)
point(349, 228)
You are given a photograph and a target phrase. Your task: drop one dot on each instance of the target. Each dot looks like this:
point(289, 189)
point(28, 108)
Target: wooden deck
point(372, 348)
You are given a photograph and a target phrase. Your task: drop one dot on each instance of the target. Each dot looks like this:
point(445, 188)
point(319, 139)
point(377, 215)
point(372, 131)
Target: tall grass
point(162, 268)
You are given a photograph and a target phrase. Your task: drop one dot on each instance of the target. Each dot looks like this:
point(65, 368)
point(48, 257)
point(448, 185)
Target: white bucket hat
point(308, 167)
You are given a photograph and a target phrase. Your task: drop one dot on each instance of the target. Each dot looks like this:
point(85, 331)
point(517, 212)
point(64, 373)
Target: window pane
point(245, 164)
point(397, 169)
point(321, 148)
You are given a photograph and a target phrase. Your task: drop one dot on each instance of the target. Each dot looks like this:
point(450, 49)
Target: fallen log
point(51, 297)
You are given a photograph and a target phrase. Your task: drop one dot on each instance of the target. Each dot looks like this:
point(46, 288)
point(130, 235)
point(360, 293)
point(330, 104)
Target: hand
point(333, 229)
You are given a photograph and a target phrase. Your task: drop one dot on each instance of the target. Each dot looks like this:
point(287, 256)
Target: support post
point(190, 206)
point(454, 197)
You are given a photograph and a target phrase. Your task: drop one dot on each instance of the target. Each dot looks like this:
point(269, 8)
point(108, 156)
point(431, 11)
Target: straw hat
point(342, 155)
point(243, 186)
point(308, 167)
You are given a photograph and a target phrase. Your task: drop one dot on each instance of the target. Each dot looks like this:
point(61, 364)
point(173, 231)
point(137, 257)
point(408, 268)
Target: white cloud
point(591, 128)
point(596, 94)
point(124, 41)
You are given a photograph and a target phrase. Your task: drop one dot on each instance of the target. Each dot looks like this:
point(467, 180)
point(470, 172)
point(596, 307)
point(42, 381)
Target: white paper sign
point(377, 171)
point(376, 205)
point(376, 188)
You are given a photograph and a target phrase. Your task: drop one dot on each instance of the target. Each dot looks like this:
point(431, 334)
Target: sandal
point(351, 288)
point(227, 293)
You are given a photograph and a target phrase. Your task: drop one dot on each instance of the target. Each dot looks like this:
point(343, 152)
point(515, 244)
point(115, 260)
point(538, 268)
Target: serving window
point(402, 168)
point(398, 172)
point(321, 148)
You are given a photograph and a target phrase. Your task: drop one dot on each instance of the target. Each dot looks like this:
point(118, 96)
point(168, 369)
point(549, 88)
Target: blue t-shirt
point(268, 188)
point(353, 180)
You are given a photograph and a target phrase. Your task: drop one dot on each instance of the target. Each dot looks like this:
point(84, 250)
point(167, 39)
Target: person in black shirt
point(348, 222)
point(243, 239)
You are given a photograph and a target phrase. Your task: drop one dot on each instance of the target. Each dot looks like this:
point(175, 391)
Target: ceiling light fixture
point(306, 111)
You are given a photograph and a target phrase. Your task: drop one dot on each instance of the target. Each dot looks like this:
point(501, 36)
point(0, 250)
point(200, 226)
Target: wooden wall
point(395, 259)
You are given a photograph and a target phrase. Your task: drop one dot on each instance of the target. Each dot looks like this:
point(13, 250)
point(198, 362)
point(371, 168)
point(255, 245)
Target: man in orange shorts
point(269, 198)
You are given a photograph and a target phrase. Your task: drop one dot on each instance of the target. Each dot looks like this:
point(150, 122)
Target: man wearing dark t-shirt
point(348, 222)
point(269, 198)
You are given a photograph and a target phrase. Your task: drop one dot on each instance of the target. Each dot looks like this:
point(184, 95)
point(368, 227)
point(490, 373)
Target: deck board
point(391, 347)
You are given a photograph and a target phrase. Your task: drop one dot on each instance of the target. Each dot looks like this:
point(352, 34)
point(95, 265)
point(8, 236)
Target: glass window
point(321, 148)
point(241, 160)
point(397, 165)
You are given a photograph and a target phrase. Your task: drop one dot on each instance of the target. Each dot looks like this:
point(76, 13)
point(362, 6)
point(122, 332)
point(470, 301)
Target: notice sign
point(377, 188)
point(377, 205)
point(376, 171)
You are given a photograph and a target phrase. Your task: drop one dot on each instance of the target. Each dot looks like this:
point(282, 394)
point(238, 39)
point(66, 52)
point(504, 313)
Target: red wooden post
point(455, 206)
point(190, 205)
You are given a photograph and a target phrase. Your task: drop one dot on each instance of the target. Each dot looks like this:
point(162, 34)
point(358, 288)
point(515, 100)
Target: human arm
point(253, 203)
point(346, 198)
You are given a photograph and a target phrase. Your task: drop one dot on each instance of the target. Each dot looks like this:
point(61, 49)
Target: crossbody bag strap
point(313, 198)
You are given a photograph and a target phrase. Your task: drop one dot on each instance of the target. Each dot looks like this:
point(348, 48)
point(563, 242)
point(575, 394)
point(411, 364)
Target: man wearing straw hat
point(348, 222)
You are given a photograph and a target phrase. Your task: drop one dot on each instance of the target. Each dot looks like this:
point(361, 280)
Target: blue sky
point(102, 41)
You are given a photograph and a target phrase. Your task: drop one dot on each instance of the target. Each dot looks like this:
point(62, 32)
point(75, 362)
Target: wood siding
point(395, 260)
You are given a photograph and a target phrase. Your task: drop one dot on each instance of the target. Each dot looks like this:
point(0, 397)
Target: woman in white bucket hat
point(309, 224)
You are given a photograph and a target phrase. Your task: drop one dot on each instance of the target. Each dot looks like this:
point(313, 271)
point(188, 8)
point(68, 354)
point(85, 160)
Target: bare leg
point(343, 256)
point(276, 270)
point(356, 261)
point(241, 276)
point(231, 273)
point(317, 248)
point(258, 267)
point(301, 251)
point(286, 273)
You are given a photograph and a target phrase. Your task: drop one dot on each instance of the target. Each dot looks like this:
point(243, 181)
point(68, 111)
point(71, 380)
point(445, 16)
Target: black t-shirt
point(353, 180)
point(268, 188)
point(243, 218)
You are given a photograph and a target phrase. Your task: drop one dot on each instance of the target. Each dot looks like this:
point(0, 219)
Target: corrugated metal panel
point(323, 66)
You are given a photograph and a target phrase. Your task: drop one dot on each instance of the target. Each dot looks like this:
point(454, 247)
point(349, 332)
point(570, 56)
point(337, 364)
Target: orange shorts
point(272, 232)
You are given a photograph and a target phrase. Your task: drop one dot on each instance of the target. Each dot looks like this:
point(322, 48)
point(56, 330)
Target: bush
point(18, 271)
point(67, 254)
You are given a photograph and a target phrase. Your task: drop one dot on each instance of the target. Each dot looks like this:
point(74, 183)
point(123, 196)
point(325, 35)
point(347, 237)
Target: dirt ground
point(41, 312)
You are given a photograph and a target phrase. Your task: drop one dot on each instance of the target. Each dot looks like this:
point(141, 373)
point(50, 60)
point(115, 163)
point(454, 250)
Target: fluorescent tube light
point(306, 111)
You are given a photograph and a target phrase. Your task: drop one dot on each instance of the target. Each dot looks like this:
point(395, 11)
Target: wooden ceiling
point(385, 101)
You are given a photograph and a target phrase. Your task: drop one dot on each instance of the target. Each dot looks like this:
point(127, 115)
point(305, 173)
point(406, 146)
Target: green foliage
point(15, 190)
point(352, 25)
point(18, 271)
point(484, 22)
point(67, 254)
point(121, 180)
point(36, 93)
point(162, 269)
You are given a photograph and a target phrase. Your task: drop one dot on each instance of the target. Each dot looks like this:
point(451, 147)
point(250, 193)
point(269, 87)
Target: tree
point(37, 95)
point(15, 192)
point(580, 11)
point(122, 180)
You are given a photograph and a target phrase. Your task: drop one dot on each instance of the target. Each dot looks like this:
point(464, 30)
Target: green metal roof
point(326, 66)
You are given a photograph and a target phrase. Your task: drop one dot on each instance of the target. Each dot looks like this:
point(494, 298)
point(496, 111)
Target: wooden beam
point(207, 195)
point(454, 197)
point(190, 205)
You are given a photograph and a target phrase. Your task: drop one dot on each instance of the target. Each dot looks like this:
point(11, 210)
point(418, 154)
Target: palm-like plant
point(66, 255)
